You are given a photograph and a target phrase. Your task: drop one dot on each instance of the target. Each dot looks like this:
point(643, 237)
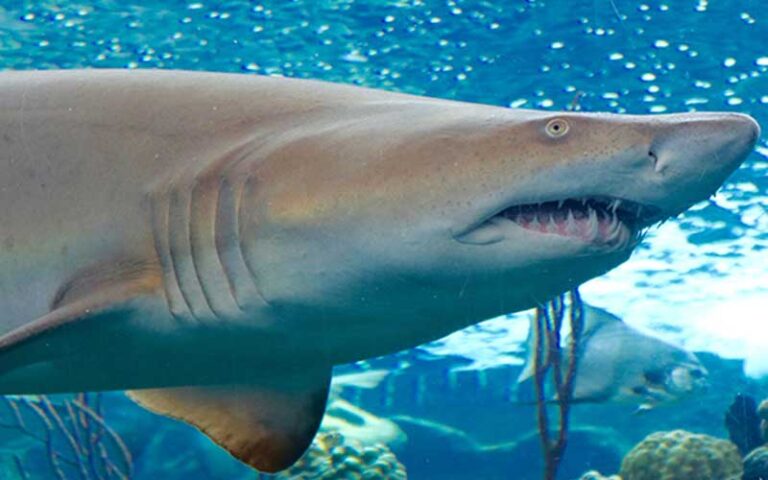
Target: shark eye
point(557, 127)
point(654, 377)
point(697, 373)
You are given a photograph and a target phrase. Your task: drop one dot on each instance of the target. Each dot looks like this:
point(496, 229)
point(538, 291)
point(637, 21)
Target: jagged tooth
point(570, 225)
point(560, 204)
point(535, 223)
point(593, 223)
point(622, 237)
point(552, 225)
point(615, 231)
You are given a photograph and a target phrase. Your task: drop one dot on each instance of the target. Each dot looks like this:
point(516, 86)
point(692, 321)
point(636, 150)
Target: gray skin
point(174, 228)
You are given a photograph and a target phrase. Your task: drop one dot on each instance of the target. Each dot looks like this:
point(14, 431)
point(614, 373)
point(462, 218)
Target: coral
point(756, 464)
point(681, 455)
point(67, 438)
point(762, 412)
point(332, 456)
point(595, 475)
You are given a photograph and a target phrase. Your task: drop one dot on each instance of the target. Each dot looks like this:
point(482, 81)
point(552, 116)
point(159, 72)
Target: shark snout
point(746, 126)
point(693, 154)
point(711, 140)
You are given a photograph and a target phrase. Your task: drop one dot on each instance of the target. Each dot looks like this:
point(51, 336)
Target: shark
point(215, 243)
point(617, 363)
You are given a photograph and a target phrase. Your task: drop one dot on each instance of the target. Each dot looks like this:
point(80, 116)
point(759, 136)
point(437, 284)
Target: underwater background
point(447, 410)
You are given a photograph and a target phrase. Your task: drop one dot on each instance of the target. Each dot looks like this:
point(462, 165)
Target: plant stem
point(548, 333)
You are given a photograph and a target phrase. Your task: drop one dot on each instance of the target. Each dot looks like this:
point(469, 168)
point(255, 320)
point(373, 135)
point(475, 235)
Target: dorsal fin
point(265, 427)
point(596, 318)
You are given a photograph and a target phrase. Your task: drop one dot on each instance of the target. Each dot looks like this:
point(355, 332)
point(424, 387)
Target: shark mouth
point(595, 220)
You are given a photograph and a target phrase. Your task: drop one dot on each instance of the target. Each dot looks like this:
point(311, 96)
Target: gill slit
point(219, 236)
point(194, 250)
point(159, 215)
point(241, 247)
point(173, 254)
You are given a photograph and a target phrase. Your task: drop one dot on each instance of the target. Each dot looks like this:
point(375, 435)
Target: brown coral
point(334, 457)
point(681, 455)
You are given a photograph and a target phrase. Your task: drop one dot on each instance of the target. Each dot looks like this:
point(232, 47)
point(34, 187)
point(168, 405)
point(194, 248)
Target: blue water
point(699, 280)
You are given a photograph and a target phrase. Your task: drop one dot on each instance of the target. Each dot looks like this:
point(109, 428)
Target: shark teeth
point(610, 221)
point(617, 233)
point(593, 224)
point(552, 226)
point(628, 212)
point(571, 227)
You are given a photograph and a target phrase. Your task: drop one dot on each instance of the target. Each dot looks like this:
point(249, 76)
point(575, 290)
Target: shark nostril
point(653, 157)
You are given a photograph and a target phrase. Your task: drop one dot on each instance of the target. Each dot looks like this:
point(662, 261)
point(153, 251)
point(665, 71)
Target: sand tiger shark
point(617, 363)
point(215, 243)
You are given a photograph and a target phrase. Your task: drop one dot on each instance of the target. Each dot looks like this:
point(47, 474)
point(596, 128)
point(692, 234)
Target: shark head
point(581, 189)
point(463, 212)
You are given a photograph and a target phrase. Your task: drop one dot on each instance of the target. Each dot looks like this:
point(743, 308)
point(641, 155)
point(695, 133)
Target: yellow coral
point(681, 455)
point(334, 457)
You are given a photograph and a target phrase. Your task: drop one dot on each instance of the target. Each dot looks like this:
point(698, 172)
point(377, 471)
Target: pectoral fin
point(266, 428)
point(88, 314)
point(92, 292)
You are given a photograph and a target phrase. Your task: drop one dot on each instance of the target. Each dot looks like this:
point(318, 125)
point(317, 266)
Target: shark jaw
point(609, 224)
